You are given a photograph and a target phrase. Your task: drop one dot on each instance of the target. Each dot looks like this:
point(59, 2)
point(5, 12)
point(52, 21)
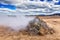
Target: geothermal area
point(15, 27)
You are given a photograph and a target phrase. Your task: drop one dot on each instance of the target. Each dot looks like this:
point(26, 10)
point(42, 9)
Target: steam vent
point(39, 27)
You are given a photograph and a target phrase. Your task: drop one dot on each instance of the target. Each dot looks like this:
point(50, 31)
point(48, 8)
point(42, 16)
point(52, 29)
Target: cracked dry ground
point(54, 22)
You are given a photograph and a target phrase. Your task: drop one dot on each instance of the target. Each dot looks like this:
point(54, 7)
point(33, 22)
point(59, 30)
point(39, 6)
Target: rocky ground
point(53, 22)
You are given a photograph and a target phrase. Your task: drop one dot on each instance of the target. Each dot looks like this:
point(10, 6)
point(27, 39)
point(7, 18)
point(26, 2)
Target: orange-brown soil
point(54, 22)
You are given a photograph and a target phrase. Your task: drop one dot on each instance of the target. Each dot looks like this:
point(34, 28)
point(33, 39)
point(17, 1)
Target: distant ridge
point(55, 14)
point(58, 14)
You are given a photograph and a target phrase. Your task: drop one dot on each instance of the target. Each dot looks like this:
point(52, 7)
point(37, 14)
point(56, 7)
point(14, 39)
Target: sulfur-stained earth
point(53, 21)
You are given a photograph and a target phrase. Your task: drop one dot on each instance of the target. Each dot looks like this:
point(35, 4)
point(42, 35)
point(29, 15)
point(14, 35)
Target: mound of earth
point(10, 34)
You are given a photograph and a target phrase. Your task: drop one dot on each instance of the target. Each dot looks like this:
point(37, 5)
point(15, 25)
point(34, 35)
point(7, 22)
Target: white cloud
point(27, 8)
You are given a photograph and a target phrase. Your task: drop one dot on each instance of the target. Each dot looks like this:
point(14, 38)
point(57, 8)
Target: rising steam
point(15, 22)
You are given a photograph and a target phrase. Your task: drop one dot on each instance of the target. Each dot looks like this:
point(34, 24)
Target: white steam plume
point(16, 22)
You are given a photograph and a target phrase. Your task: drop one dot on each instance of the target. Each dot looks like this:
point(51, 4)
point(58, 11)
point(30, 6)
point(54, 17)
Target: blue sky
point(25, 8)
point(12, 7)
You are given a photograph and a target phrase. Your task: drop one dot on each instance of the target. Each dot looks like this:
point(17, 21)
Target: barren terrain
point(54, 22)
